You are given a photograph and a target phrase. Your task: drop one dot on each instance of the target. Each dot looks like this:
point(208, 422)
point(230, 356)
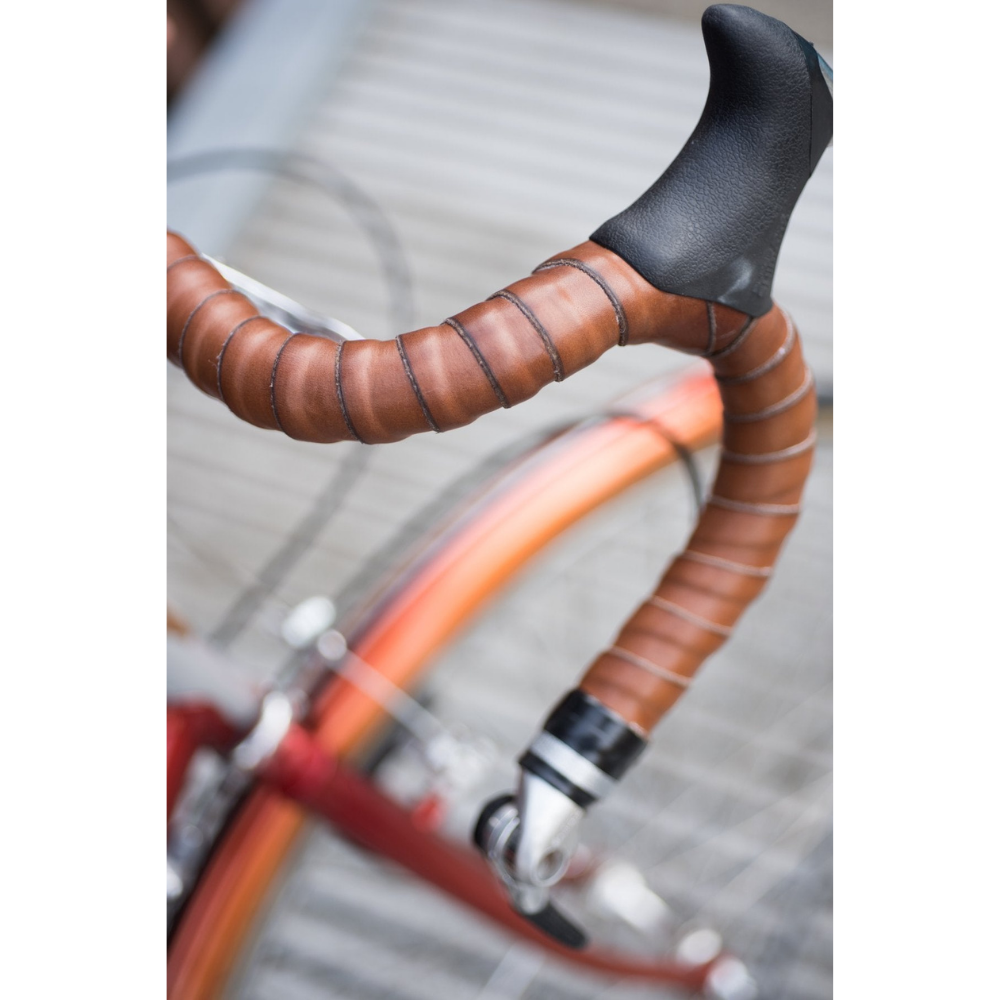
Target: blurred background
point(390, 162)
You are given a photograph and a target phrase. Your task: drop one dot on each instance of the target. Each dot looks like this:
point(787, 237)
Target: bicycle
point(657, 431)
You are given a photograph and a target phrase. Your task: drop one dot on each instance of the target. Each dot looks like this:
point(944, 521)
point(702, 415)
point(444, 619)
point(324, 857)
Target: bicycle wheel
point(244, 872)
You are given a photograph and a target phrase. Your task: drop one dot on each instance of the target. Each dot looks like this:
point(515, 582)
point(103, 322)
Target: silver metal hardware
point(283, 309)
point(530, 840)
point(564, 759)
point(175, 883)
point(277, 713)
point(549, 823)
point(213, 789)
point(620, 890)
point(396, 701)
point(332, 646)
point(500, 845)
point(729, 979)
point(307, 621)
point(699, 946)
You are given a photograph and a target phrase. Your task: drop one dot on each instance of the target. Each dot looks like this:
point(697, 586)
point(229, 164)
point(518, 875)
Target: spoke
point(224, 567)
point(813, 797)
point(518, 967)
point(399, 703)
point(754, 740)
point(759, 876)
point(330, 500)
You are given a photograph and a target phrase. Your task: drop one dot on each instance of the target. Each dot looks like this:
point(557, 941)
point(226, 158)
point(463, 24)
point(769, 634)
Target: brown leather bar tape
point(500, 352)
point(728, 560)
point(576, 306)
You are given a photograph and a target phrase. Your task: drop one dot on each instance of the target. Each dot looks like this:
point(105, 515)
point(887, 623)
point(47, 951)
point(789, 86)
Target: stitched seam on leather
point(689, 616)
point(711, 328)
point(604, 286)
point(770, 411)
point(748, 326)
point(222, 351)
point(762, 458)
point(181, 260)
point(762, 369)
point(481, 361)
point(764, 572)
point(431, 422)
point(187, 322)
point(340, 395)
point(812, 94)
point(743, 507)
point(274, 376)
point(657, 671)
point(550, 347)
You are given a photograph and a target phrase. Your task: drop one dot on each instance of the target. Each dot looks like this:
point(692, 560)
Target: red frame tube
point(302, 771)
